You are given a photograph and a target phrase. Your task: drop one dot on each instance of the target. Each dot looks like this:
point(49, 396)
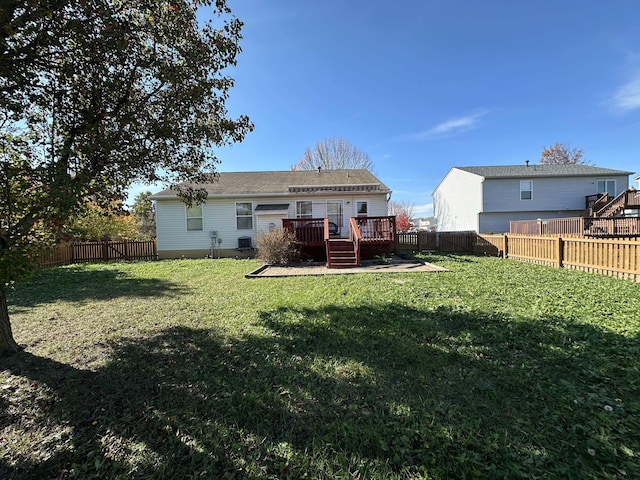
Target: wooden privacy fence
point(83, 252)
point(619, 257)
point(443, 241)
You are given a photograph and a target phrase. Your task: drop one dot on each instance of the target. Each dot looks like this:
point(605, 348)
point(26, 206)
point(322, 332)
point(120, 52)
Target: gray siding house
point(239, 205)
point(486, 199)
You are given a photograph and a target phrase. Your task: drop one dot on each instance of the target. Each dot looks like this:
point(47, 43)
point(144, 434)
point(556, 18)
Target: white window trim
point(362, 200)
point(253, 220)
point(303, 201)
point(521, 190)
point(607, 180)
point(187, 217)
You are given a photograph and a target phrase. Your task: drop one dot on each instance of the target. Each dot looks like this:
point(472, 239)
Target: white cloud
point(423, 210)
point(449, 127)
point(628, 95)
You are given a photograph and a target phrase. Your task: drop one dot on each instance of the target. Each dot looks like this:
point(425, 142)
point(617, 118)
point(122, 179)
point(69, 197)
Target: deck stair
point(341, 253)
point(614, 207)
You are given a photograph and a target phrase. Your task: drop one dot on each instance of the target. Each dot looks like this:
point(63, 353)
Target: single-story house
point(486, 198)
point(239, 205)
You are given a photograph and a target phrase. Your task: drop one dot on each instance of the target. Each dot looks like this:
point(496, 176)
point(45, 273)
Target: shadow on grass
point(386, 391)
point(78, 283)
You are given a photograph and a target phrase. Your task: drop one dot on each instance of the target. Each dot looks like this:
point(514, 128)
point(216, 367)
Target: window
point(526, 190)
point(362, 209)
point(194, 218)
point(244, 216)
point(607, 186)
point(304, 209)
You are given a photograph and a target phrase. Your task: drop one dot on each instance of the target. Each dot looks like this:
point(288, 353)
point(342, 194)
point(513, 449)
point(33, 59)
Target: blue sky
point(423, 86)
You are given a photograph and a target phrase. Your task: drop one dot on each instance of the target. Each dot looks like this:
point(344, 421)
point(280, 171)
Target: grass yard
point(185, 369)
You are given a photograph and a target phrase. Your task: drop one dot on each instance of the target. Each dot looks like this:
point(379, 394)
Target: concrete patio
point(396, 265)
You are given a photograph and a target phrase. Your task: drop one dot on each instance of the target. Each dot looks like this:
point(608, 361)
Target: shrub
point(277, 247)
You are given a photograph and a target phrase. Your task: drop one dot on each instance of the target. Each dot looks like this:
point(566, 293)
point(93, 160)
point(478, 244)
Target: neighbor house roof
point(288, 182)
point(541, 170)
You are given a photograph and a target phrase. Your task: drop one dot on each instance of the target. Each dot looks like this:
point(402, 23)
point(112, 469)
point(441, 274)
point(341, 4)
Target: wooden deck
point(366, 238)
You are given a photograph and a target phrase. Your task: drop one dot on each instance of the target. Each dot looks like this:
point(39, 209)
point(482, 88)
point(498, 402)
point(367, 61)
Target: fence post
point(559, 251)
point(419, 235)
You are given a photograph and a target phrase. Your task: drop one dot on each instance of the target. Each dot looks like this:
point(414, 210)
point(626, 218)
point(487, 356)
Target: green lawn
point(185, 369)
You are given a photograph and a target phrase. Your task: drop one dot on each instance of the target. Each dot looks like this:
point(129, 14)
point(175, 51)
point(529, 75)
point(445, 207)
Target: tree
point(560, 154)
point(333, 154)
point(404, 212)
point(97, 223)
point(96, 95)
point(144, 213)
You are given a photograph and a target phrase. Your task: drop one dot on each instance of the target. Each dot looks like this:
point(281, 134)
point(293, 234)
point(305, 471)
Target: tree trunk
point(7, 344)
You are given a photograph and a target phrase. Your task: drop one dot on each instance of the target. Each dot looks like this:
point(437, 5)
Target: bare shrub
point(277, 247)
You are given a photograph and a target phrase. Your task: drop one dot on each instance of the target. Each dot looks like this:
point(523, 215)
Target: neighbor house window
point(194, 218)
point(362, 208)
point(244, 216)
point(607, 186)
point(526, 190)
point(304, 209)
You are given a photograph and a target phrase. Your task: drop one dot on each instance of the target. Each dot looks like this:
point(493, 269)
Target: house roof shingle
point(285, 182)
point(541, 170)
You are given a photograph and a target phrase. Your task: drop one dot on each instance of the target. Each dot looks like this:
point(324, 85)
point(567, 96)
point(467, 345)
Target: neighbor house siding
point(457, 200)
point(564, 196)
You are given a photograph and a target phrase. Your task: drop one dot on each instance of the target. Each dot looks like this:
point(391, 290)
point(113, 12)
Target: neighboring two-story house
point(242, 204)
point(486, 199)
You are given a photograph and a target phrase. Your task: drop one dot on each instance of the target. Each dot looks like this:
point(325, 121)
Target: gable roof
point(288, 182)
point(541, 170)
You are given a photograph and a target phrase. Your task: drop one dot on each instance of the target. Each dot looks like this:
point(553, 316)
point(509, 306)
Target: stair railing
point(327, 243)
point(595, 203)
point(356, 237)
point(615, 204)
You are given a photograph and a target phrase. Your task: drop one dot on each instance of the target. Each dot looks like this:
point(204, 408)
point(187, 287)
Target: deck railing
point(377, 229)
point(612, 227)
point(356, 237)
point(308, 231)
point(312, 231)
point(548, 226)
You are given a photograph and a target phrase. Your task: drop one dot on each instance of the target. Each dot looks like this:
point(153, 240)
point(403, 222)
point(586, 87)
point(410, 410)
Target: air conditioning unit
point(244, 242)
